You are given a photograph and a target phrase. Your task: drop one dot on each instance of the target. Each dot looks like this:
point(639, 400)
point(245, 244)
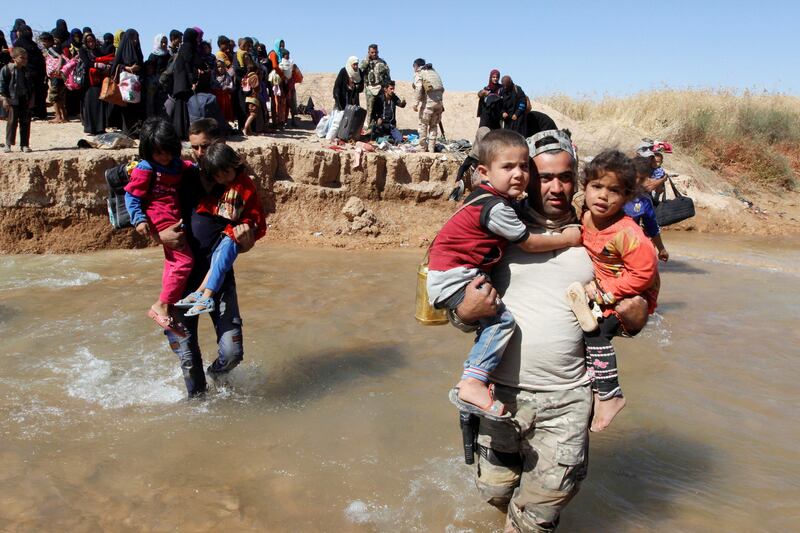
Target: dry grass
point(732, 133)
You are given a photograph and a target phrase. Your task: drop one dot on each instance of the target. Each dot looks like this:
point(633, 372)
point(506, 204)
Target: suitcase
point(352, 122)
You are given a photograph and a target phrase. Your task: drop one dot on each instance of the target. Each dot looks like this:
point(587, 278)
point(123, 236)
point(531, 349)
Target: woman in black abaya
point(128, 58)
point(513, 105)
point(37, 69)
point(93, 110)
point(184, 78)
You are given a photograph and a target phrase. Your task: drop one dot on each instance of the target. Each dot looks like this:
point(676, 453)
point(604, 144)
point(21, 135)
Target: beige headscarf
point(354, 74)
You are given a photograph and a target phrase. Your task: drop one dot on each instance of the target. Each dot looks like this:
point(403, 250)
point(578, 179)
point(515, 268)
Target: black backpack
point(116, 179)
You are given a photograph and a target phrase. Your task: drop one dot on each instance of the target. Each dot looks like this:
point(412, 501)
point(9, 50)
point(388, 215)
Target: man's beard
point(551, 218)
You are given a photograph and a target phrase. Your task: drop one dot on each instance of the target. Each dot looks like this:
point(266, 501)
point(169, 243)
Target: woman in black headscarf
point(184, 78)
point(61, 31)
point(93, 110)
point(5, 52)
point(36, 67)
point(513, 106)
point(489, 102)
point(75, 41)
point(108, 47)
point(128, 59)
point(14, 34)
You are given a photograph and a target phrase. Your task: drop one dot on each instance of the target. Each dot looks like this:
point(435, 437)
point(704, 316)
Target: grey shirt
point(546, 352)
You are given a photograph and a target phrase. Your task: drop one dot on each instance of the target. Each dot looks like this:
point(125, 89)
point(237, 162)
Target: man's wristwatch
point(454, 319)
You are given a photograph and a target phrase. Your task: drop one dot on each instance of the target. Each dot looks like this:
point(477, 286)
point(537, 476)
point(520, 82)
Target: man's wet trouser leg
point(230, 350)
point(535, 465)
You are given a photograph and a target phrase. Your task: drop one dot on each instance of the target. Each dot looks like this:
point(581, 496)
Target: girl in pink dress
point(151, 197)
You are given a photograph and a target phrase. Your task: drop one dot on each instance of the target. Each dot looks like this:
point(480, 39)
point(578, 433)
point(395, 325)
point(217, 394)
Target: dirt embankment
point(53, 203)
point(53, 200)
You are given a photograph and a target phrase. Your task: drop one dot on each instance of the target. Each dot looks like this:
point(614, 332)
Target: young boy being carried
point(471, 243)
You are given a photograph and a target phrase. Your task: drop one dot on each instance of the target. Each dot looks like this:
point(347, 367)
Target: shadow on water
point(314, 374)
point(670, 306)
point(680, 267)
point(639, 481)
point(6, 313)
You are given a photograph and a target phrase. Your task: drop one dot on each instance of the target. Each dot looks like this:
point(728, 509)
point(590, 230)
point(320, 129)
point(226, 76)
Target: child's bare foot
point(605, 411)
point(476, 392)
point(160, 308)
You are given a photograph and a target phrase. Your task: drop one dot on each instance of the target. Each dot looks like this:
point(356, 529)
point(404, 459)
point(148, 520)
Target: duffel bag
point(675, 209)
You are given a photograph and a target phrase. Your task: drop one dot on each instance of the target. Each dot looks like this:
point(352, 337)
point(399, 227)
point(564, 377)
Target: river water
point(338, 418)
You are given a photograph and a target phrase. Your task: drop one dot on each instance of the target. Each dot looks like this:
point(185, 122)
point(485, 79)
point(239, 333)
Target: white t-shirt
point(546, 352)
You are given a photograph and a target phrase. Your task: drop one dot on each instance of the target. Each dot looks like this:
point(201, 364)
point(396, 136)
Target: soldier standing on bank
point(428, 93)
point(376, 76)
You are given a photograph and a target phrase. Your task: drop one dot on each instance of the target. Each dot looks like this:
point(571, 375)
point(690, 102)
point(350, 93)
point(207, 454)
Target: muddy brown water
point(338, 418)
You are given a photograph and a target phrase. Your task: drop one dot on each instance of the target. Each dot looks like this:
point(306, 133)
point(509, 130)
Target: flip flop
point(490, 412)
point(167, 323)
point(579, 303)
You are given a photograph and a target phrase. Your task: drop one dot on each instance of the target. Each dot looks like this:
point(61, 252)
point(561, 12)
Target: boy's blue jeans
point(222, 260)
point(493, 336)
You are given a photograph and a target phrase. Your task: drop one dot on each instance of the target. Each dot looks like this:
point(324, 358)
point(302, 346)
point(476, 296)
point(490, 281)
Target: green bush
point(770, 124)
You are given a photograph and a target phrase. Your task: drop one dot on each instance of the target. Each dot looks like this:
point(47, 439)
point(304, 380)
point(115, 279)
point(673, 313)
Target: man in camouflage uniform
point(428, 94)
point(533, 464)
point(376, 76)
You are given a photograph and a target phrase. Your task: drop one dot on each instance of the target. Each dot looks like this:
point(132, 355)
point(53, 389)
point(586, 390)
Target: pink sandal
point(167, 323)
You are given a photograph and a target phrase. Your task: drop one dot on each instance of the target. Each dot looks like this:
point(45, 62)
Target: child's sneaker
point(27, 149)
point(202, 305)
point(7, 150)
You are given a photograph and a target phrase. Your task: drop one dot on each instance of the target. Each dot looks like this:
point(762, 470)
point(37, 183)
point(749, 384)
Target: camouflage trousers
point(534, 465)
point(429, 119)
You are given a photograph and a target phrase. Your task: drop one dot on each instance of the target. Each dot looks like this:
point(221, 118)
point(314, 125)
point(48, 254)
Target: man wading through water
point(533, 465)
point(202, 233)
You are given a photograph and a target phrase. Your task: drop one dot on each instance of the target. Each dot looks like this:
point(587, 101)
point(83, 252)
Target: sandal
point(495, 410)
point(202, 305)
point(579, 303)
point(167, 323)
point(189, 301)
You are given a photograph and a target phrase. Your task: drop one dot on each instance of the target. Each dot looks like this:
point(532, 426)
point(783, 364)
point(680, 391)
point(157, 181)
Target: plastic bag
point(322, 127)
point(333, 124)
point(130, 87)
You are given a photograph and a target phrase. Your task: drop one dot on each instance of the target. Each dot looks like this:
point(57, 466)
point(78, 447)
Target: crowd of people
point(246, 82)
point(246, 86)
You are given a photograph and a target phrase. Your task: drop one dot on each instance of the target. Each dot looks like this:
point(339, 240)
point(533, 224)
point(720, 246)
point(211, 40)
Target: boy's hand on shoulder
point(572, 236)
